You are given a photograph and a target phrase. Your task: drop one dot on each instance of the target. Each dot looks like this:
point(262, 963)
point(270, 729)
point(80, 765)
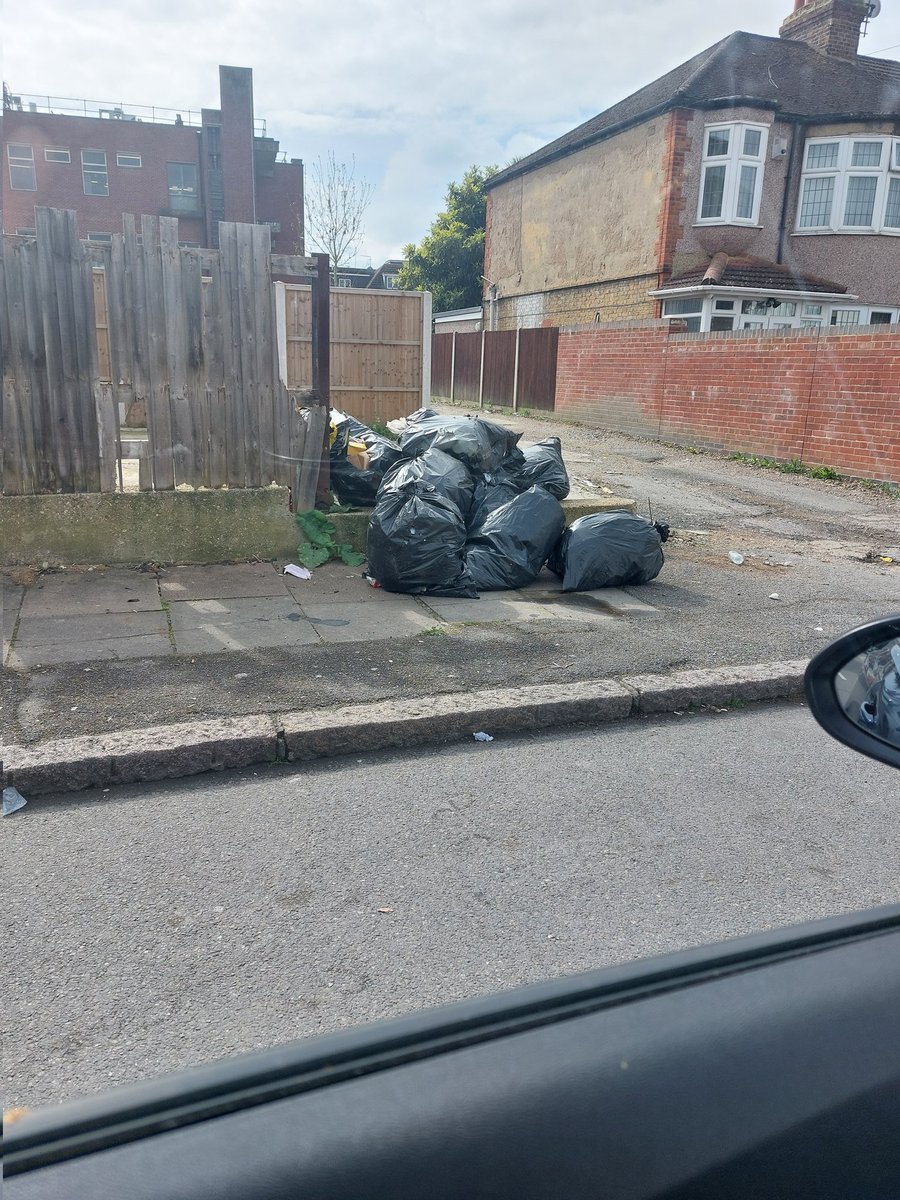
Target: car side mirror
point(853, 689)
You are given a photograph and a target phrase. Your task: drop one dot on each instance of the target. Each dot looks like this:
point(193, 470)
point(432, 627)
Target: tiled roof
point(786, 76)
point(759, 273)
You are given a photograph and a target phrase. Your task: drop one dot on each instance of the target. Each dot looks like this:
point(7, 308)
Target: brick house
point(757, 184)
point(103, 161)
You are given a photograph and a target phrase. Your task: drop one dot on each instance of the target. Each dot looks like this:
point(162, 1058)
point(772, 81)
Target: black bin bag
point(515, 541)
point(481, 445)
point(416, 543)
point(491, 493)
point(446, 475)
point(607, 550)
point(543, 464)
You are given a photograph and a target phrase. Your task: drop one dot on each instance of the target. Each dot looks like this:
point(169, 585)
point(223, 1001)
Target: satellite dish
point(873, 8)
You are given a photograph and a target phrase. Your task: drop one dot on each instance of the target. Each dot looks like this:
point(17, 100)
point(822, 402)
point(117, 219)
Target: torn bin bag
point(481, 445)
point(607, 550)
point(515, 541)
point(417, 542)
point(543, 464)
point(447, 475)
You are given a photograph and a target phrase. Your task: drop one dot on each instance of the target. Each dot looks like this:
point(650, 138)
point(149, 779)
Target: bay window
point(732, 173)
point(850, 185)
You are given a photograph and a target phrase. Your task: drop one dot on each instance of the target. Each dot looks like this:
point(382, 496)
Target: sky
point(413, 90)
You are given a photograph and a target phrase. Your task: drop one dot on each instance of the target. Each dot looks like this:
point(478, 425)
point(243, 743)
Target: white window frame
point(59, 154)
point(733, 161)
point(94, 169)
point(21, 162)
point(841, 173)
point(103, 239)
point(134, 165)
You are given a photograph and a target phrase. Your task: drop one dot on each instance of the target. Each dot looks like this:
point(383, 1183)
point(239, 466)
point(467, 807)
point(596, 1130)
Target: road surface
point(158, 926)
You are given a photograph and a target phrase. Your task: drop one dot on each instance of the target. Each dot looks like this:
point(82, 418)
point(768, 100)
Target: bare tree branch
point(335, 206)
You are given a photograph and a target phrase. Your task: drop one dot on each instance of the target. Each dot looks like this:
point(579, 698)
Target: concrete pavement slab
point(210, 636)
point(187, 614)
point(336, 583)
point(149, 646)
point(220, 582)
point(84, 593)
point(368, 622)
point(511, 606)
point(94, 627)
point(11, 602)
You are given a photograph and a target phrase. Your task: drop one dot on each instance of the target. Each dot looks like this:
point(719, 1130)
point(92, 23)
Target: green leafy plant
point(378, 426)
point(320, 545)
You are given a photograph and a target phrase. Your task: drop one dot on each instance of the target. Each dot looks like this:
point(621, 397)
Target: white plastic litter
point(12, 801)
point(736, 558)
point(298, 572)
point(774, 596)
point(481, 736)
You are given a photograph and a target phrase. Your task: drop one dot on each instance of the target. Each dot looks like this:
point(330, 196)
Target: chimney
point(828, 26)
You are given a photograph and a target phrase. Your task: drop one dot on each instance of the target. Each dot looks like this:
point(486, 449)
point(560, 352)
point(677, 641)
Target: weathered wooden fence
point(231, 368)
point(515, 368)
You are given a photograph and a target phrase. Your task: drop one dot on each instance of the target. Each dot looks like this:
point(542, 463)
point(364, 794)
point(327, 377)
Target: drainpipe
point(788, 182)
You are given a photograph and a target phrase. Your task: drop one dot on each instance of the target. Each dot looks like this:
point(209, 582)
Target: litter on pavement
point(459, 508)
point(298, 572)
point(736, 558)
point(481, 736)
point(12, 801)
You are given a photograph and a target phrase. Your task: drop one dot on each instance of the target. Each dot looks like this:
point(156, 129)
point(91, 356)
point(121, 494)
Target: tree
point(449, 261)
point(335, 206)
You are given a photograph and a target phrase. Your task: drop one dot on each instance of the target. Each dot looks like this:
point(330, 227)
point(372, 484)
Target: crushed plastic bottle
point(481, 736)
point(736, 558)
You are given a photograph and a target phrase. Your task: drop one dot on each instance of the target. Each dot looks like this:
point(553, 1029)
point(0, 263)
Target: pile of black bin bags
point(460, 509)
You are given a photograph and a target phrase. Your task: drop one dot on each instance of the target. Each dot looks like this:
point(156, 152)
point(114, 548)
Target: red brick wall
point(59, 185)
point(830, 400)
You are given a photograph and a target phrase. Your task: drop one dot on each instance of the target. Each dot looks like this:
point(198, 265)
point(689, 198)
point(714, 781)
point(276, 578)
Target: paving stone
point(54, 631)
point(91, 592)
point(512, 607)
point(149, 646)
point(186, 614)
point(368, 622)
point(336, 583)
point(218, 582)
point(210, 636)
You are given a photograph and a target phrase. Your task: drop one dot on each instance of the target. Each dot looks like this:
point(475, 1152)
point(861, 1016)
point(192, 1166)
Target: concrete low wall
point(177, 527)
point(136, 527)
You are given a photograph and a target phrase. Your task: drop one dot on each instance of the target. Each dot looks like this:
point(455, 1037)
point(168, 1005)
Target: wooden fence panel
point(499, 367)
point(441, 364)
point(537, 368)
point(190, 334)
point(467, 368)
point(378, 340)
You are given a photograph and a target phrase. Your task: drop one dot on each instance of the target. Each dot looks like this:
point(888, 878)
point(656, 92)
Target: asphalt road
point(155, 927)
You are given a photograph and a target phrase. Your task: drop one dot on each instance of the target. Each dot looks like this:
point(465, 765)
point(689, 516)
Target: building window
point(183, 194)
point(849, 185)
point(21, 168)
point(99, 237)
point(343, 281)
point(389, 281)
point(128, 160)
point(732, 173)
point(52, 154)
point(93, 173)
point(189, 245)
point(688, 309)
point(881, 318)
point(846, 317)
point(30, 233)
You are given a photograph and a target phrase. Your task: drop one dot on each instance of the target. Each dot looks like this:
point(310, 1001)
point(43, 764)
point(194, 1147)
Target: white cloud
point(416, 90)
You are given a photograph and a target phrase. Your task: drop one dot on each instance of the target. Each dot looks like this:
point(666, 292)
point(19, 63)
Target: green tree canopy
point(449, 260)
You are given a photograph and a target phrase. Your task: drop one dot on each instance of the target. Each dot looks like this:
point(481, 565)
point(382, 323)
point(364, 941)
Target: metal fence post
point(453, 366)
point(481, 375)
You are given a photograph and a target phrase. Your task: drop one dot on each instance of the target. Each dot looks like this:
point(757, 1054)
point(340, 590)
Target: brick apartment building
point(106, 160)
